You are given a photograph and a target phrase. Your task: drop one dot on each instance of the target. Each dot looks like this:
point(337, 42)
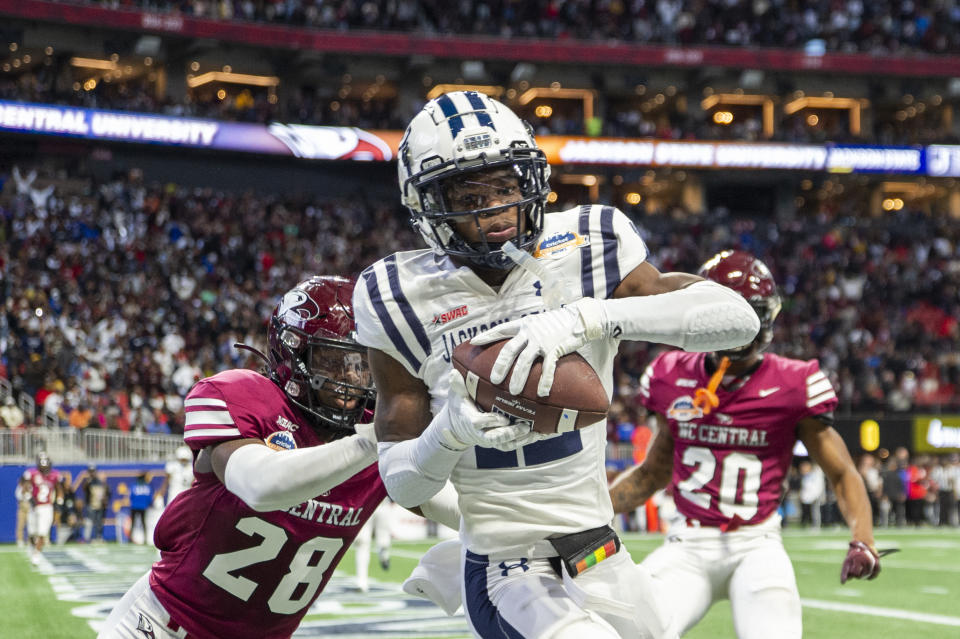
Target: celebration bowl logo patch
point(280, 440)
point(682, 409)
point(559, 243)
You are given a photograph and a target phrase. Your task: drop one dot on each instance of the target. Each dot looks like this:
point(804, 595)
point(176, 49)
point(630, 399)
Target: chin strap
point(706, 398)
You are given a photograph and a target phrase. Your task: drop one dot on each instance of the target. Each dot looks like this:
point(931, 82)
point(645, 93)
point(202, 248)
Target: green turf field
point(916, 595)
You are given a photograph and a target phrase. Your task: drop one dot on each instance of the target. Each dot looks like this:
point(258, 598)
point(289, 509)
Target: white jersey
point(417, 306)
point(179, 478)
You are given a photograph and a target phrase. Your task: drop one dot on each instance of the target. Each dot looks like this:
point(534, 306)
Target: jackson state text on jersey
point(229, 571)
point(733, 461)
point(417, 306)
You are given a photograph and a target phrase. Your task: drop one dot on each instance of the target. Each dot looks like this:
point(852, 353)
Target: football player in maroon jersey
point(45, 492)
point(284, 482)
point(727, 426)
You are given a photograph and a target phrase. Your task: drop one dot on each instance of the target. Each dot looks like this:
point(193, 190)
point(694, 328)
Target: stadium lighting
point(852, 104)
point(233, 78)
point(587, 95)
point(93, 63)
point(440, 89)
point(765, 102)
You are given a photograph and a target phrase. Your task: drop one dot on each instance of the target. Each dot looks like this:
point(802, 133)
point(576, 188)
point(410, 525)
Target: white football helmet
point(464, 132)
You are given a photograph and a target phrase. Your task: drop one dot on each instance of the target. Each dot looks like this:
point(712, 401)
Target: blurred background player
point(476, 185)
point(141, 498)
point(725, 450)
point(376, 529)
point(178, 474)
point(23, 495)
point(283, 483)
point(96, 498)
point(44, 492)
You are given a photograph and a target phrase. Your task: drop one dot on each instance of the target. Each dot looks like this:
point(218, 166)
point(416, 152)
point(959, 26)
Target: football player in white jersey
point(535, 509)
point(179, 474)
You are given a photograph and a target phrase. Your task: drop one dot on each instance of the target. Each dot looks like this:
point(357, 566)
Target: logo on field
point(280, 440)
point(559, 243)
point(505, 568)
point(682, 409)
point(452, 314)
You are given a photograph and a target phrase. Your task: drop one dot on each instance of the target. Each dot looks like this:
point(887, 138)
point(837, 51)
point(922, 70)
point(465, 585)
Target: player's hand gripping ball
point(577, 397)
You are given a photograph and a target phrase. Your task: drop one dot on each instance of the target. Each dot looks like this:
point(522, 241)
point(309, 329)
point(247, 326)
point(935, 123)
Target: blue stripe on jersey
point(548, 450)
point(482, 116)
point(611, 268)
point(586, 253)
point(481, 612)
point(373, 289)
point(494, 458)
point(394, 278)
point(453, 116)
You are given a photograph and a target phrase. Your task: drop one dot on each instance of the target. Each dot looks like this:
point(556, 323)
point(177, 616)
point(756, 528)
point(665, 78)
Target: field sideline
point(73, 589)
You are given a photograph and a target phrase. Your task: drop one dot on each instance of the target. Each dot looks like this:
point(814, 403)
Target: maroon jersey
point(226, 570)
point(732, 462)
point(43, 486)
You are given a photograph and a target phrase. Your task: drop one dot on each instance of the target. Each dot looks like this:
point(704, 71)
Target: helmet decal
point(298, 308)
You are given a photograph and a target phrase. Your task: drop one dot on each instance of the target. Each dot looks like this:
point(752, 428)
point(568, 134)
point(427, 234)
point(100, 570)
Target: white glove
point(551, 334)
point(469, 426)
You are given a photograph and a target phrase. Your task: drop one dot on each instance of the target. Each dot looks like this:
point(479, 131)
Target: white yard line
point(876, 611)
point(886, 564)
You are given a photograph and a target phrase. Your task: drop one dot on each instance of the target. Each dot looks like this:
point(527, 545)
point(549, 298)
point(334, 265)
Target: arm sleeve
point(616, 248)
point(267, 479)
point(649, 392)
point(385, 323)
point(821, 398)
point(208, 418)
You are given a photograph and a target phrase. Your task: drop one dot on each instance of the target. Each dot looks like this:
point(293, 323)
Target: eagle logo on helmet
point(297, 308)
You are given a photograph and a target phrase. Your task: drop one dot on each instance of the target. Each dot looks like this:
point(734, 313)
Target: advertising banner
point(936, 434)
point(119, 477)
point(351, 143)
point(310, 142)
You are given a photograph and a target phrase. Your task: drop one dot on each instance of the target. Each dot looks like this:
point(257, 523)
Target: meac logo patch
point(682, 409)
point(280, 440)
point(559, 243)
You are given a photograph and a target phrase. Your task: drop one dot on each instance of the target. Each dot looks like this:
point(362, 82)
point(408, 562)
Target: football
point(577, 398)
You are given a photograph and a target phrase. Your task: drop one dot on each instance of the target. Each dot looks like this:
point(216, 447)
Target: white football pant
point(699, 566)
point(139, 614)
point(523, 598)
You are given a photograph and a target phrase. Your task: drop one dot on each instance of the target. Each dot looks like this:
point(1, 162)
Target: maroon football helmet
point(314, 355)
point(751, 278)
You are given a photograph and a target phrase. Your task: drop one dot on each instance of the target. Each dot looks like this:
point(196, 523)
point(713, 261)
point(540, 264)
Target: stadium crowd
point(181, 274)
point(884, 27)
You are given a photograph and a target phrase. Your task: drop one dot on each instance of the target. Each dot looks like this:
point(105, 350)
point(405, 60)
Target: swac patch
point(452, 314)
point(280, 440)
point(682, 409)
point(559, 243)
